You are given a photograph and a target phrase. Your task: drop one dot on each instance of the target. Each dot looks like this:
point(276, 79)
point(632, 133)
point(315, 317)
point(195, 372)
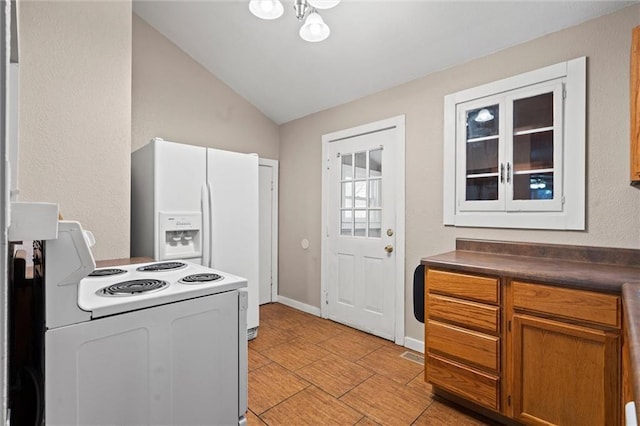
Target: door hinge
point(509, 400)
point(563, 199)
point(564, 92)
point(509, 325)
point(328, 163)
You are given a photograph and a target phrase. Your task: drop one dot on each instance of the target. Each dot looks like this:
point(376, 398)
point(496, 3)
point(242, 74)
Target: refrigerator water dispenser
point(182, 235)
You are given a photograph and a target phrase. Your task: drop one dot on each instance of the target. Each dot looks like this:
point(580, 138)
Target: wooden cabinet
point(564, 374)
point(463, 336)
point(634, 87)
point(565, 355)
point(556, 360)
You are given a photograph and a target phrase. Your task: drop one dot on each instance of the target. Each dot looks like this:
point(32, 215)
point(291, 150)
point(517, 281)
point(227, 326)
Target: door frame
point(274, 225)
point(6, 15)
point(398, 123)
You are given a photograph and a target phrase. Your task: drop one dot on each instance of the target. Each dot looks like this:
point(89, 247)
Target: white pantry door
point(361, 231)
point(268, 231)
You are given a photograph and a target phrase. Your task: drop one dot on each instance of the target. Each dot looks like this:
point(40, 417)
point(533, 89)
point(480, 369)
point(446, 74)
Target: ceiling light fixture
point(266, 9)
point(483, 116)
point(313, 30)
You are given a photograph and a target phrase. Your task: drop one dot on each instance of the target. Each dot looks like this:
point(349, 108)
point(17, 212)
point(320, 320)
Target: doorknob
point(388, 248)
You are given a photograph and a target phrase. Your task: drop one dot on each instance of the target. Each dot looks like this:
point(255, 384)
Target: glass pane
point(347, 167)
point(375, 223)
point(375, 193)
point(533, 151)
point(361, 194)
point(361, 165)
point(482, 122)
point(360, 223)
point(482, 157)
point(485, 188)
point(538, 186)
point(375, 163)
point(533, 113)
point(347, 195)
point(346, 225)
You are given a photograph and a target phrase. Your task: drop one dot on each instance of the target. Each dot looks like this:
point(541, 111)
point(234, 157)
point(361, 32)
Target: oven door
point(173, 364)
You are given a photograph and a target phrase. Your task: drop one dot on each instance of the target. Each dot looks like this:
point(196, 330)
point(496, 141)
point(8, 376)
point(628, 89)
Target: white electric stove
point(161, 343)
point(115, 290)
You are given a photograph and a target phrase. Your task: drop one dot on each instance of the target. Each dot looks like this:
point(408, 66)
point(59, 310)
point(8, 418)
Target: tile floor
point(307, 370)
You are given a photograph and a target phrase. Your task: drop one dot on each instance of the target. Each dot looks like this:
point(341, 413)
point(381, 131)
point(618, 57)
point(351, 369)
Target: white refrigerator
point(198, 204)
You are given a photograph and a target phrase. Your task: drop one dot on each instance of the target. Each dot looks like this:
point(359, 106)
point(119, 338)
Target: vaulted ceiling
point(373, 44)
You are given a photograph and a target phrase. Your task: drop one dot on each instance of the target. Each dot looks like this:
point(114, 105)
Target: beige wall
point(612, 205)
point(75, 114)
point(177, 99)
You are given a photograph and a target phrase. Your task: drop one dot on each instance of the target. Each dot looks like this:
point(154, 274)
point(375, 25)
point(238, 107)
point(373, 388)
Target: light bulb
point(266, 6)
point(323, 4)
point(314, 28)
point(266, 9)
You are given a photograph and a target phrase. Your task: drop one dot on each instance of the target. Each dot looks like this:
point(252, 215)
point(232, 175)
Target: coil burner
point(107, 272)
point(162, 266)
point(133, 287)
point(200, 278)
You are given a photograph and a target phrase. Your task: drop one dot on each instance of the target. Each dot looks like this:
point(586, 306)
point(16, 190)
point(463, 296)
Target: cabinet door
point(480, 152)
point(534, 148)
point(510, 150)
point(564, 374)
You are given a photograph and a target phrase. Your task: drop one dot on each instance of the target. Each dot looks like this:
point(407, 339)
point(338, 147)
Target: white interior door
point(361, 285)
point(268, 230)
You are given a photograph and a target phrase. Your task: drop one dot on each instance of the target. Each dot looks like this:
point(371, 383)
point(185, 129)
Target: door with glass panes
point(509, 151)
point(361, 224)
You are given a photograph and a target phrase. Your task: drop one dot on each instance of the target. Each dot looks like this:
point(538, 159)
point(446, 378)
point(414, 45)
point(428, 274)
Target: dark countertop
point(567, 273)
point(125, 261)
point(608, 270)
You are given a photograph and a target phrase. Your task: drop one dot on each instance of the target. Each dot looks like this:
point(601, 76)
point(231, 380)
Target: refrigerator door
point(166, 177)
point(180, 172)
point(233, 181)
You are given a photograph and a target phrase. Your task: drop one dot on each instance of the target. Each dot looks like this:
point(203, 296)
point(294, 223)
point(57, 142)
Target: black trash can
point(418, 293)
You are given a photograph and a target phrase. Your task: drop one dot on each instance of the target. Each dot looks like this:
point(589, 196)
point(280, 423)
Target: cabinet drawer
point(597, 308)
point(478, 348)
point(468, 314)
point(474, 287)
point(471, 384)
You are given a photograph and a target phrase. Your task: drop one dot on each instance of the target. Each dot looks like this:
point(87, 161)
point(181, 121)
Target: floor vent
point(417, 358)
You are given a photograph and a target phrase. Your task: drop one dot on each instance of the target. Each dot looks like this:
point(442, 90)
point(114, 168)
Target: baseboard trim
point(414, 344)
point(299, 305)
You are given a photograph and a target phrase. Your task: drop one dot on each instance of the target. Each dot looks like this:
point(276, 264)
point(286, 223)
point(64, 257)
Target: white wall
point(75, 114)
point(612, 205)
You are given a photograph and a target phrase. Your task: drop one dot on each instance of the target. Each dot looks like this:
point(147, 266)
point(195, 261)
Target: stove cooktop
point(151, 284)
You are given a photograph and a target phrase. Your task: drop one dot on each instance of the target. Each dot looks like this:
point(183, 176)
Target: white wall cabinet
point(515, 151)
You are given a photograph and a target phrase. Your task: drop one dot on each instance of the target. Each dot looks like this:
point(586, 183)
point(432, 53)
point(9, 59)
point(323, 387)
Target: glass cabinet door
point(509, 151)
point(534, 170)
point(479, 149)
